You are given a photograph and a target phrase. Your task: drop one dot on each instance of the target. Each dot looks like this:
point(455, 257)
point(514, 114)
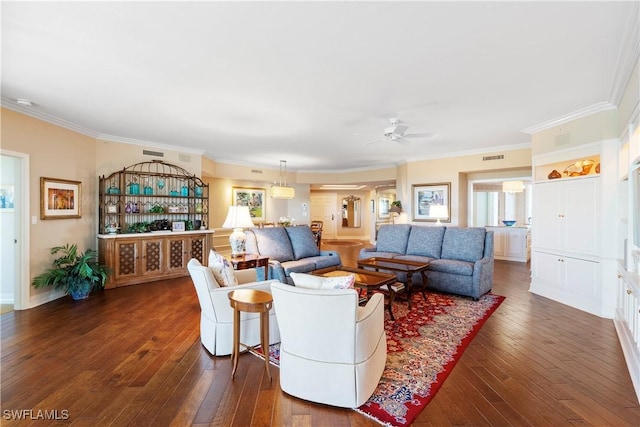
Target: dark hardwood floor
point(132, 357)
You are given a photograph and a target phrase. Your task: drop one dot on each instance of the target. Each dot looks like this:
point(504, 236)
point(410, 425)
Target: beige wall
point(56, 153)
point(594, 128)
point(113, 156)
point(454, 170)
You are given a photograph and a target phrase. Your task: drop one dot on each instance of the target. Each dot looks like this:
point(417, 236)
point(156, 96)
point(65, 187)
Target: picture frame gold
point(60, 198)
point(427, 195)
point(254, 198)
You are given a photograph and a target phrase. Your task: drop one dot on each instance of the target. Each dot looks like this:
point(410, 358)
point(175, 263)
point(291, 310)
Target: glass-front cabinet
point(152, 196)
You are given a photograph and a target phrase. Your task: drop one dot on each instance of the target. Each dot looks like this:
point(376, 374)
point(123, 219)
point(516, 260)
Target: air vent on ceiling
point(256, 171)
point(498, 157)
point(152, 153)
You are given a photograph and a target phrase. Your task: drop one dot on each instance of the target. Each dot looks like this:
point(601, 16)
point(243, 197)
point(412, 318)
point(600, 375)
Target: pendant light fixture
point(281, 191)
point(513, 187)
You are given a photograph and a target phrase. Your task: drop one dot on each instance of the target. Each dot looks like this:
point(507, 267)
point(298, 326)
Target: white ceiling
point(256, 82)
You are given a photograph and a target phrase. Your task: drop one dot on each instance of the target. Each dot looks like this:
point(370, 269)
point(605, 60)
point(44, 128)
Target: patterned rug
point(423, 346)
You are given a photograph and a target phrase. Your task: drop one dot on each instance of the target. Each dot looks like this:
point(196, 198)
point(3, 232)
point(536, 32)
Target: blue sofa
point(461, 259)
point(290, 249)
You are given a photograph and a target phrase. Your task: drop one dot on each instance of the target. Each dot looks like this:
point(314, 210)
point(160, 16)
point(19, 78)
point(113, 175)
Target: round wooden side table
point(252, 301)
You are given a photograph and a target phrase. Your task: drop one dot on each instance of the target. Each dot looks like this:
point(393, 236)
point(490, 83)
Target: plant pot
point(79, 294)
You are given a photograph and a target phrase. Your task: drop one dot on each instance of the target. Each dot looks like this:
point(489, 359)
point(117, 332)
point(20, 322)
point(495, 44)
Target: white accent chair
point(216, 318)
point(332, 350)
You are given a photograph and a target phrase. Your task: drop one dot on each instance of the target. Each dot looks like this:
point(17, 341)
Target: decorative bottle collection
point(152, 196)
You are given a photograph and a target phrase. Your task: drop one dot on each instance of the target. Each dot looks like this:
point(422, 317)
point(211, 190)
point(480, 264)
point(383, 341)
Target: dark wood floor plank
point(132, 357)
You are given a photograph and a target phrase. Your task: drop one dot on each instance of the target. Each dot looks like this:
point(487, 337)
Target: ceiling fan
point(396, 133)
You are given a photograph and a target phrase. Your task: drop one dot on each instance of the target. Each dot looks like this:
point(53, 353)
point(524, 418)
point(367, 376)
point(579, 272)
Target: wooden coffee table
point(399, 266)
point(368, 280)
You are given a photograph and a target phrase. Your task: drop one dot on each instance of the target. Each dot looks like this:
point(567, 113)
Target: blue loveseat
point(461, 259)
point(290, 249)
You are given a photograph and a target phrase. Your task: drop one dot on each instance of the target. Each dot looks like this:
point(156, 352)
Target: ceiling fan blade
point(419, 135)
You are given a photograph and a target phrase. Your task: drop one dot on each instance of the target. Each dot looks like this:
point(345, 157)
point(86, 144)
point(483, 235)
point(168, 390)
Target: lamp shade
point(439, 211)
point(238, 217)
point(513, 186)
point(280, 192)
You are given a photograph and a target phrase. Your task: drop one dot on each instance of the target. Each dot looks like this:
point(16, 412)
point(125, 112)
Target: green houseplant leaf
point(75, 274)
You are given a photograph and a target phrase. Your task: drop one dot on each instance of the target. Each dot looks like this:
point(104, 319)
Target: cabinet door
point(546, 269)
point(580, 276)
point(176, 251)
point(566, 216)
point(126, 260)
point(545, 232)
point(198, 249)
point(580, 216)
point(516, 243)
point(498, 241)
point(152, 255)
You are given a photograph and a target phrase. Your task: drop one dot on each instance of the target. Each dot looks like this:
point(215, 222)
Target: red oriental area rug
point(423, 346)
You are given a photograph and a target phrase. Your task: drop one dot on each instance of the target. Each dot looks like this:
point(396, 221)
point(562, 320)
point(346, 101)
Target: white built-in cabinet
point(511, 243)
point(566, 215)
point(627, 320)
point(565, 237)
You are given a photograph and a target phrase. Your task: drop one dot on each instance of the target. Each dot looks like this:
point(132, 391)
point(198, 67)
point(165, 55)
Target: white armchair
point(216, 318)
point(332, 351)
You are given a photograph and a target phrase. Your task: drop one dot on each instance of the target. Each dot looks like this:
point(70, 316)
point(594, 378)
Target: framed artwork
point(425, 199)
point(252, 197)
point(177, 226)
point(60, 198)
point(384, 203)
point(7, 193)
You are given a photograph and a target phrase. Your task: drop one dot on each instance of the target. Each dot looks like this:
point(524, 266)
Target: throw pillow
point(302, 242)
point(222, 270)
point(309, 281)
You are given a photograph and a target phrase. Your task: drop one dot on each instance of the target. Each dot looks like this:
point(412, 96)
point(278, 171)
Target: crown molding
point(628, 56)
point(46, 117)
point(578, 114)
point(50, 118)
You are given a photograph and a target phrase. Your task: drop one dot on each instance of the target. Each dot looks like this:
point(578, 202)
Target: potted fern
point(76, 274)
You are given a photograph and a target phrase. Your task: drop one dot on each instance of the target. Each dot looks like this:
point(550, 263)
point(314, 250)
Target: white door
point(13, 271)
point(324, 208)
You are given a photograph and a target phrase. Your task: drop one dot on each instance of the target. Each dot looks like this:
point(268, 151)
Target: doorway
point(324, 208)
point(14, 213)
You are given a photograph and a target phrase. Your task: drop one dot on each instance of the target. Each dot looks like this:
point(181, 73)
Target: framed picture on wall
point(432, 202)
point(384, 203)
point(253, 198)
point(60, 198)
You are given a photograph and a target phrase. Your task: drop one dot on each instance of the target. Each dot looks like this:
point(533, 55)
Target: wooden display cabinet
point(141, 258)
point(139, 206)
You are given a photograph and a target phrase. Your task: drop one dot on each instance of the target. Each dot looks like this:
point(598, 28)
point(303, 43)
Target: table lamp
point(394, 211)
point(439, 211)
point(238, 218)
